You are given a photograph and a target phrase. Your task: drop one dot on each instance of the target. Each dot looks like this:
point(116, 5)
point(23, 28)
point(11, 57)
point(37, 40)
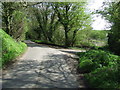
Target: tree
point(7, 11)
point(112, 13)
point(47, 20)
point(73, 18)
point(14, 19)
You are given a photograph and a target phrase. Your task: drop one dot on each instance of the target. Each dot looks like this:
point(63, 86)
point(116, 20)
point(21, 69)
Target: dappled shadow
point(33, 44)
point(52, 69)
point(21, 75)
point(36, 45)
point(55, 71)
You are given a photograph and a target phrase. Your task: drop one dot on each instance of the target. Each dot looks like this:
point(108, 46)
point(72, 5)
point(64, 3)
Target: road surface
point(43, 67)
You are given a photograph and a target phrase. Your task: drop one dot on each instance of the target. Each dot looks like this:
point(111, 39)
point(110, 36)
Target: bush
point(86, 65)
point(104, 77)
point(101, 68)
point(98, 57)
point(10, 48)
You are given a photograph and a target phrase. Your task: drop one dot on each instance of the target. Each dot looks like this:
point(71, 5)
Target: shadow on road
point(54, 69)
point(55, 72)
point(36, 45)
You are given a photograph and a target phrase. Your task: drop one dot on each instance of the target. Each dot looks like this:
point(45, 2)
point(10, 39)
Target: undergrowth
point(101, 68)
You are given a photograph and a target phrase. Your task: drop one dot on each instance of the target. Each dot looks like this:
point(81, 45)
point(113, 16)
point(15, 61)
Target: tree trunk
point(66, 37)
point(73, 38)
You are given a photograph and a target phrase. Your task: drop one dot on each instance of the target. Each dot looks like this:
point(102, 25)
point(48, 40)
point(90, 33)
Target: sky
point(99, 23)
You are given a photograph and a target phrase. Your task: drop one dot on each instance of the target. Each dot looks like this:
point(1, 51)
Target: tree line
point(57, 22)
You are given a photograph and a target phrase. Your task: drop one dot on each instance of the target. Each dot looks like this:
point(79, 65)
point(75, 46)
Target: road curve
point(42, 67)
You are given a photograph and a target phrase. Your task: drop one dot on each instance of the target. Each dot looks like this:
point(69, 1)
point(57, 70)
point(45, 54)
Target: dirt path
point(43, 67)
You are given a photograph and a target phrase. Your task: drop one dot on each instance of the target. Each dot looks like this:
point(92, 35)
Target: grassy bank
point(10, 48)
point(100, 68)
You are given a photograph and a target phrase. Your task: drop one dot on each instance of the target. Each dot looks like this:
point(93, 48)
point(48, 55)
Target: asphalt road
point(43, 67)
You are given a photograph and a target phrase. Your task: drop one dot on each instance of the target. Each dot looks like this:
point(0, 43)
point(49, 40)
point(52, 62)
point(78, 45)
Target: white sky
point(99, 23)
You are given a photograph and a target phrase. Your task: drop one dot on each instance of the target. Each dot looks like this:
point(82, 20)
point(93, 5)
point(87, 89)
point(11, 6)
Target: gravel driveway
point(43, 67)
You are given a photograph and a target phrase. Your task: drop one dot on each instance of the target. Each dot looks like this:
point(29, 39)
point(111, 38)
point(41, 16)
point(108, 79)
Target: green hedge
point(10, 48)
point(100, 68)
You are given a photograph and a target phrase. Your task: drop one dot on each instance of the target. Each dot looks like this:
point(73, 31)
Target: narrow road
point(43, 67)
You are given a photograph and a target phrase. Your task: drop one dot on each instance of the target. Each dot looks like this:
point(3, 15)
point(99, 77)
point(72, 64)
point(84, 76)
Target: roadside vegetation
point(94, 39)
point(65, 24)
point(100, 68)
point(10, 48)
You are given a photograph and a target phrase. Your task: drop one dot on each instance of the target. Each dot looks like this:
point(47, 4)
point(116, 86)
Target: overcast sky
point(99, 22)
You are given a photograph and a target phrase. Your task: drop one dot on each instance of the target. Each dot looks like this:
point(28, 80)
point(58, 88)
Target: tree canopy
point(112, 13)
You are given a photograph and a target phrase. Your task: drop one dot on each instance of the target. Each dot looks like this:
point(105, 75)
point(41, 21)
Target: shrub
point(98, 57)
point(86, 65)
point(102, 68)
point(104, 77)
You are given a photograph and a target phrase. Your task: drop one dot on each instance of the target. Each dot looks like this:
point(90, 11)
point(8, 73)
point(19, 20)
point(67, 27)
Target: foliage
point(59, 37)
point(50, 27)
point(33, 29)
point(73, 18)
point(101, 68)
point(86, 65)
point(19, 25)
point(47, 21)
point(91, 38)
point(84, 38)
point(10, 48)
point(104, 77)
point(112, 13)
point(14, 20)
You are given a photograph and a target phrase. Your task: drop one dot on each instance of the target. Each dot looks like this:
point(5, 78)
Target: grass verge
point(10, 48)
